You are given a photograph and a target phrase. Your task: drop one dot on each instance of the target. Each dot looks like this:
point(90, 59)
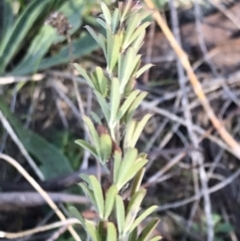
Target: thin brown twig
point(225, 135)
point(44, 228)
point(40, 191)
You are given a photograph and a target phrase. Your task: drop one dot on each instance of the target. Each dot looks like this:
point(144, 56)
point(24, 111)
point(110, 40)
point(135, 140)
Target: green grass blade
point(148, 230)
point(111, 232)
point(88, 147)
point(120, 214)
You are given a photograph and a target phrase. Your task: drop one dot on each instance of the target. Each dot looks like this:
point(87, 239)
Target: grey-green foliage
point(113, 87)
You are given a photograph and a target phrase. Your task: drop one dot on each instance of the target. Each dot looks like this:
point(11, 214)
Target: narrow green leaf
point(102, 81)
point(93, 132)
point(104, 106)
point(115, 51)
point(143, 69)
point(109, 203)
point(127, 104)
point(111, 232)
point(114, 100)
point(116, 165)
point(95, 117)
point(92, 231)
point(138, 42)
point(106, 147)
point(106, 13)
point(132, 24)
point(120, 214)
point(142, 217)
point(99, 38)
point(139, 128)
point(89, 194)
point(128, 160)
point(147, 231)
point(115, 20)
point(157, 238)
point(126, 10)
point(133, 235)
point(87, 146)
point(86, 179)
point(84, 75)
point(98, 194)
point(102, 22)
point(137, 181)
point(127, 68)
point(129, 134)
point(139, 30)
point(133, 209)
point(132, 171)
point(134, 106)
point(75, 213)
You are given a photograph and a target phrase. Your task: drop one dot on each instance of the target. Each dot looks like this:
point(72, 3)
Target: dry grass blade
point(45, 228)
point(226, 136)
point(40, 191)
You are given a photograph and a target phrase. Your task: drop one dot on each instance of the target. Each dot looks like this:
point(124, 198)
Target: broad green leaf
point(75, 213)
point(129, 134)
point(38, 48)
point(133, 209)
point(137, 181)
point(92, 130)
point(139, 128)
point(106, 147)
point(106, 13)
point(104, 106)
point(128, 160)
point(89, 194)
point(109, 203)
point(148, 230)
point(98, 194)
point(131, 172)
point(142, 217)
point(134, 106)
point(143, 69)
point(116, 165)
point(7, 20)
point(114, 100)
point(84, 75)
point(92, 231)
point(120, 214)
point(127, 104)
point(21, 28)
point(52, 162)
point(88, 147)
point(111, 232)
point(82, 46)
